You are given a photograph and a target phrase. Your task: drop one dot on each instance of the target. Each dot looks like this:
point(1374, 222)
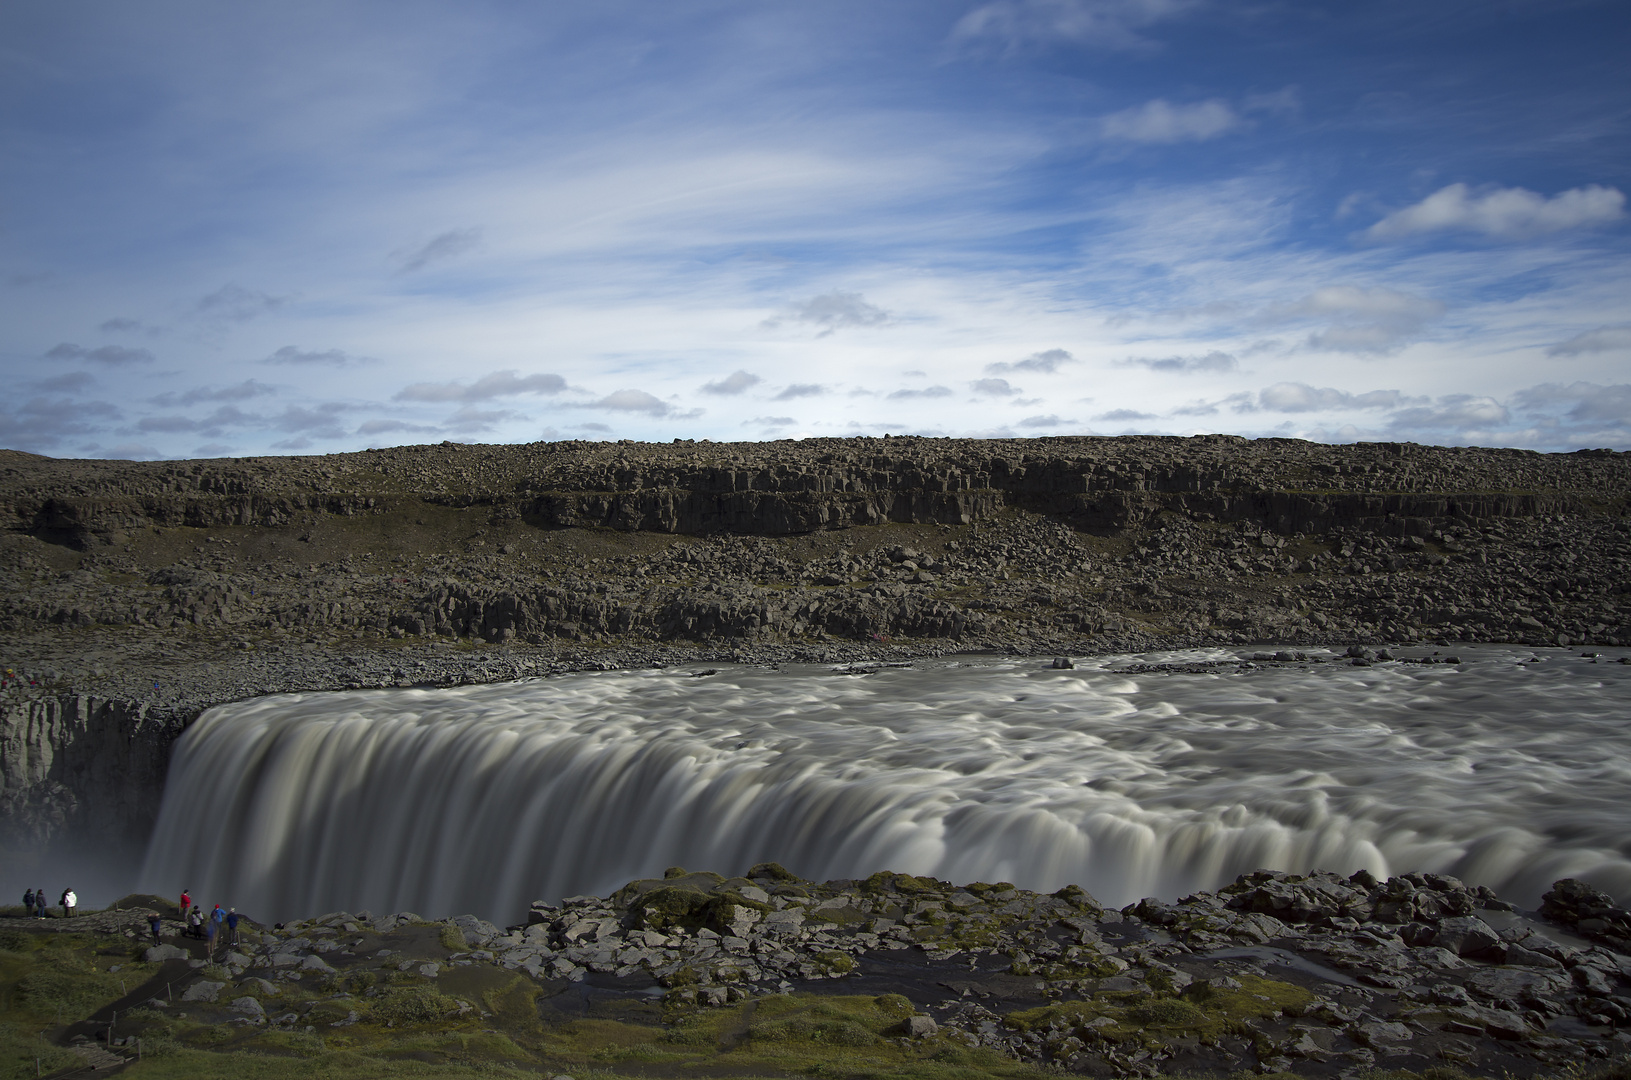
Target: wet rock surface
point(1318, 975)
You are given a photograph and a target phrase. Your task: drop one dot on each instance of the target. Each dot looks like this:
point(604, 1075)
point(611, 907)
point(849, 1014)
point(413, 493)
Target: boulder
point(249, 1007)
point(1468, 936)
point(203, 991)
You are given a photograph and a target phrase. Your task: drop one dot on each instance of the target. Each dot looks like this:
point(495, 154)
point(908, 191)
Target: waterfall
point(1130, 783)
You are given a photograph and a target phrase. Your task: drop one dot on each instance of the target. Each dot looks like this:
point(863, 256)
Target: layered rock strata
point(137, 589)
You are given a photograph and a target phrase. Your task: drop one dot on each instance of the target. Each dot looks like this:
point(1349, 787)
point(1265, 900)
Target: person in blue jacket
point(28, 902)
point(232, 925)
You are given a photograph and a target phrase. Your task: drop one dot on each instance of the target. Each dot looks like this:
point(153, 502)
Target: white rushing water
point(480, 799)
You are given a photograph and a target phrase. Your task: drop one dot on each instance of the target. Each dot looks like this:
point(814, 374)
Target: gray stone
point(203, 991)
point(248, 1006)
point(157, 954)
point(1466, 935)
point(918, 1027)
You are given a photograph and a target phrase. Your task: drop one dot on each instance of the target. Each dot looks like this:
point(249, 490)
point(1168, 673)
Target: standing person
point(211, 926)
point(68, 902)
point(39, 903)
point(195, 923)
point(156, 923)
point(28, 904)
point(186, 903)
point(232, 926)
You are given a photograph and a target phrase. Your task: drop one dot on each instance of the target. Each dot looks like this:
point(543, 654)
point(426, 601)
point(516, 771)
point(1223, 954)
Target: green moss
point(412, 1005)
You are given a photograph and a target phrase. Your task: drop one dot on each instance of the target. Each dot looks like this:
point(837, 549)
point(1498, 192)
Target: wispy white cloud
point(1583, 401)
point(1502, 213)
point(800, 390)
point(1294, 397)
point(235, 304)
point(1160, 121)
point(1601, 340)
point(1107, 24)
point(926, 392)
point(832, 312)
point(440, 248)
point(1045, 362)
point(1360, 320)
point(1215, 361)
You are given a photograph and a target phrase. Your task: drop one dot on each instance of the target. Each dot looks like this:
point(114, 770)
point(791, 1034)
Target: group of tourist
point(221, 923)
point(34, 901)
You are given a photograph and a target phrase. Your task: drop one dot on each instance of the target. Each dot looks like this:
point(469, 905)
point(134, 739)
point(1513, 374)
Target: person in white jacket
point(68, 902)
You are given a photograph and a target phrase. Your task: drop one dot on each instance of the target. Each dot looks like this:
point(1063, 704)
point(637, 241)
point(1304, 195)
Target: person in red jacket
point(186, 902)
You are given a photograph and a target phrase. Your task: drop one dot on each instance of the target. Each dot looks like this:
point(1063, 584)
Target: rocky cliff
point(74, 764)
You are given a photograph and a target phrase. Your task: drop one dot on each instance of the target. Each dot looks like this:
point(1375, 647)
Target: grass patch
point(1205, 1012)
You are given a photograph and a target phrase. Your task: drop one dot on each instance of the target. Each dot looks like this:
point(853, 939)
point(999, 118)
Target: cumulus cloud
point(734, 383)
point(798, 390)
point(993, 387)
point(40, 423)
point(1502, 213)
point(448, 245)
point(1285, 100)
point(1361, 320)
point(1602, 339)
point(244, 391)
point(1125, 414)
point(71, 383)
point(1585, 402)
point(634, 401)
point(290, 354)
point(498, 384)
point(1300, 397)
point(1046, 362)
point(108, 354)
point(832, 312)
point(471, 418)
point(1212, 361)
point(224, 417)
point(926, 392)
point(119, 325)
point(234, 303)
point(1455, 412)
point(1106, 24)
point(770, 422)
point(1049, 421)
point(322, 421)
point(1160, 121)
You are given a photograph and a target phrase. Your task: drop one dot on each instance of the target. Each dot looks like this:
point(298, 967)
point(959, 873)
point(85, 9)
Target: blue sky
point(303, 228)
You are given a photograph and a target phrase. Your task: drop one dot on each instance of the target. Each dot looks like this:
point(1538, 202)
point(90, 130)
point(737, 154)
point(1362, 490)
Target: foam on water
point(1129, 782)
